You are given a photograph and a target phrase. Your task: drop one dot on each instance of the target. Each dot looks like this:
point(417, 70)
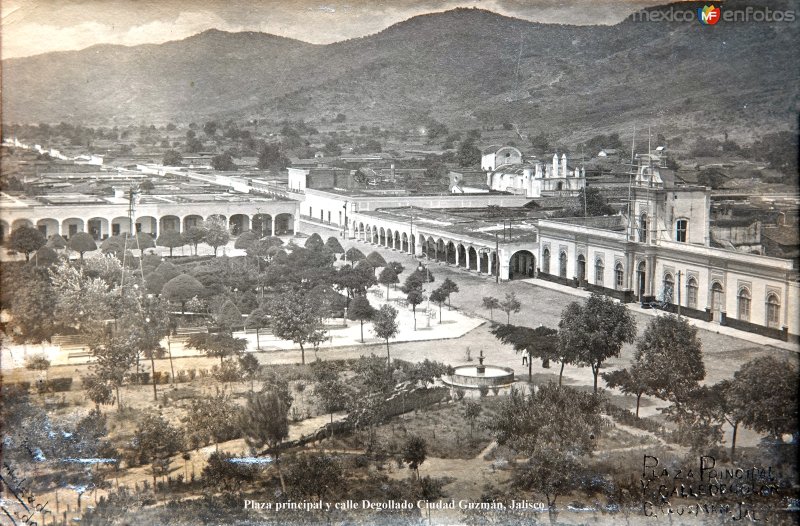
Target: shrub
point(460, 393)
point(182, 377)
point(192, 374)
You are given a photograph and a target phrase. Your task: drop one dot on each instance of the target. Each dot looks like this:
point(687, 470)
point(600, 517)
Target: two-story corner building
point(660, 250)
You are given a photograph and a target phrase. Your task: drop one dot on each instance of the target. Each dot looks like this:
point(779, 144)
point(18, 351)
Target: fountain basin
point(469, 376)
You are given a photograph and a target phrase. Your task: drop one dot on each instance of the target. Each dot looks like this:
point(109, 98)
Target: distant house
point(467, 182)
point(608, 152)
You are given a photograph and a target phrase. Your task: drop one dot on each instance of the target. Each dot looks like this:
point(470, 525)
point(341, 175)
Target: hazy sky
point(30, 27)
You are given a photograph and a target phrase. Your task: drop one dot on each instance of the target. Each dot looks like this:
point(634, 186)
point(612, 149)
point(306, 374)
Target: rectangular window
point(619, 277)
point(680, 230)
point(744, 308)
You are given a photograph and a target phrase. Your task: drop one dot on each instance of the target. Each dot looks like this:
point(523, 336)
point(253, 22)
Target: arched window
point(681, 226)
point(619, 276)
point(668, 286)
point(581, 267)
point(546, 261)
point(643, 228)
point(641, 279)
point(599, 269)
point(691, 293)
point(717, 300)
point(773, 311)
point(562, 264)
point(743, 304)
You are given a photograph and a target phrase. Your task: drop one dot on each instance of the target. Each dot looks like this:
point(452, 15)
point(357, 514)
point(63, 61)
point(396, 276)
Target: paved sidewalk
point(700, 324)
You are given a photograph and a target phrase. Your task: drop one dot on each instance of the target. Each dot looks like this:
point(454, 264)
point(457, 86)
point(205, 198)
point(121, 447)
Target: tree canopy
point(26, 240)
point(595, 331)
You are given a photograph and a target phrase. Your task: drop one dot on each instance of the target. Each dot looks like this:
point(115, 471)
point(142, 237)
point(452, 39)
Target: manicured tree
point(264, 422)
point(595, 331)
point(670, 359)
point(258, 319)
point(195, 235)
point(220, 345)
point(334, 246)
point(142, 241)
point(438, 296)
point(629, 381)
point(415, 451)
point(491, 303)
point(448, 287)
point(540, 342)
point(81, 243)
point(168, 270)
point(361, 310)
point(45, 256)
point(26, 240)
point(376, 260)
point(217, 234)
point(56, 242)
point(314, 242)
point(353, 255)
point(396, 266)
point(229, 317)
point(414, 298)
point(766, 389)
point(388, 277)
point(245, 240)
point(384, 324)
point(509, 305)
point(182, 288)
point(171, 240)
point(249, 365)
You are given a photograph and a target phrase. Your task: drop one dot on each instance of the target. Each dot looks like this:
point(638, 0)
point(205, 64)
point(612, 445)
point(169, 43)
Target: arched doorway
point(147, 225)
point(97, 228)
point(562, 264)
point(284, 224)
point(48, 227)
point(389, 238)
point(71, 226)
point(192, 221)
point(473, 258)
point(262, 225)
point(717, 300)
point(170, 224)
point(462, 256)
point(440, 252)
point(451, 253)
point(581, 268)
point(546, 261)
point(521, 265)
point(382, 237)
point(404, 245)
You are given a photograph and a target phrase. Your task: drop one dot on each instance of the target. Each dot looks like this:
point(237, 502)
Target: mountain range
point(466, 67)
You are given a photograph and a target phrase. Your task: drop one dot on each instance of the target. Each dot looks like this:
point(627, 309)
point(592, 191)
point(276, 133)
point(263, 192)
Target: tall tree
point(264, 422)
point(171, 240)
point(670, 359)
point(154, 441)
point(766, 388)
point(414, 297)
point(314, 242)
point(541, 342)
point(361, 310)
point(595, 331)
point(415, 451)
point(216, 234)
point(195, 235)
point(448, 287)
point(384, 324)
point(510, 304)
point(295, 317)
point(491, 303)
point(376, 260)
point(334, 246)
point(258, 319)
point(438, 296)
point(629, 380)
point(219, 345)
point(388, 277)
point(26, 240)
